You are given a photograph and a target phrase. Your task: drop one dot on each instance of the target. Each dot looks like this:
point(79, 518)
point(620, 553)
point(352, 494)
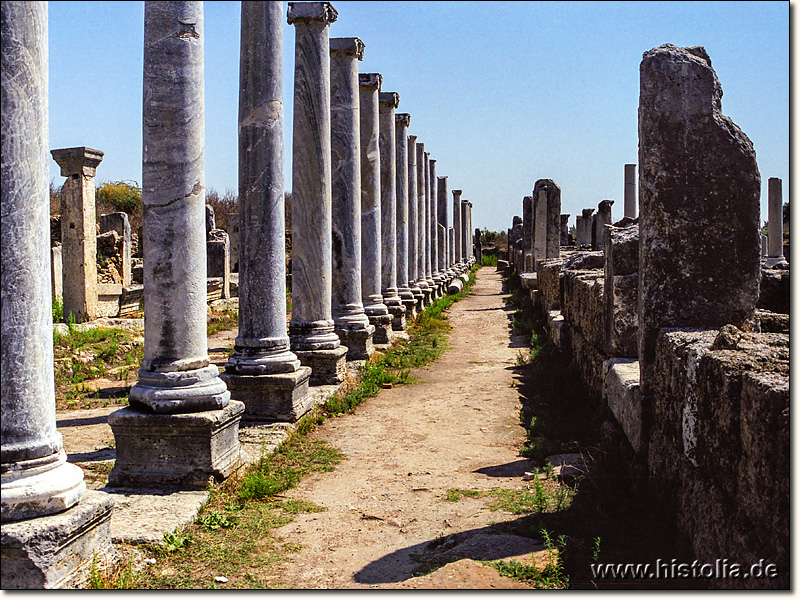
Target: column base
point(410, 306)
point(183, 451)
point(398, 317)
point(426, 300)
point(278, 397)
point(359, 342)
point(328, 367)
point(57, 551)
point(383, 328)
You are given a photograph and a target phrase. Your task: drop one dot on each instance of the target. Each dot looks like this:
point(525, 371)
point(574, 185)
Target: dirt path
point(458, 427)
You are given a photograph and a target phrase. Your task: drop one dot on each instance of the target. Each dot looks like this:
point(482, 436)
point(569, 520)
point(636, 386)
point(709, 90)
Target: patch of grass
point(455, 494)
point(222, 322)
point(552, 576)
point(488, 260)
point(58, 310)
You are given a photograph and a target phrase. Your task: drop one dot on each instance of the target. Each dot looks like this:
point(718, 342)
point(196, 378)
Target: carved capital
point(392, 99)
point(457, 193)
point(77, 161)
point(403, 119)
point(311, 12)
point(370, 80)
point(348, 46)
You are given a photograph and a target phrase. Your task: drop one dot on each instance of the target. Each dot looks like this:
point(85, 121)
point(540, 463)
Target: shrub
point(121, 196)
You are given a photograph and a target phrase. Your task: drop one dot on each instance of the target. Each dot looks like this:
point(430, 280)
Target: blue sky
point(501, 93)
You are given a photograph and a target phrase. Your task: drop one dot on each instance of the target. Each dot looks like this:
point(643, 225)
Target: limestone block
point(621, 393)
point(585, 260)
point(620, 315)
point(774, 290)
point(583, 304)
point(328, 366)
point(359, 342)
point(119, 223)
point(132, 300)
point(529, 280)
point(770, 322)
point(549, 276)
point(558, 329)
point(56, 272)
point(108, 299)
point(218, 258)
point(276, 397)
point(589, 360)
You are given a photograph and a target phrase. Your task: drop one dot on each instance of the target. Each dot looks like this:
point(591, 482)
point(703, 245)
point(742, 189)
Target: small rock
point(221, 579)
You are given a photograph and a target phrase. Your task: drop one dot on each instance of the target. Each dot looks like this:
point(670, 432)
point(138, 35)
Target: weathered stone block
point(359, 342)
point(770, 322)
point(383, 326)
point(179, 450)
point(620, 316)
point(621, 393)
point(328, 367)
point(218, 258)
point(585, 260)
point(276, 397)
point(558, 329)
point(549, 277)
point(589, 360)
point(56, 551)
point(119, 223)
point(583, 304)
point(774, 290)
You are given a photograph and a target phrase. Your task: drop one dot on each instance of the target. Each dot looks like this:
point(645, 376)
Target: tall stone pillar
point(465, 233)
point(422, 231)
point(564, 233)
point(584, 228)
point(413, 225)
point(311, 330)
point(426, 168)
point(775, 228)
point(441, 219)
point(350, 321)
point(388, 102)
point(457, 228)
point(478, 247)
point(377, 311)
point(548, 192)
point(51, 526)
point(451, 241)
point(527, 231)
point(263, 372)
point(438, 280)
point(601, 219)
point(695, 269)
point(179, 389)
point(402, 122)
point(630, 191)
point(79, 230)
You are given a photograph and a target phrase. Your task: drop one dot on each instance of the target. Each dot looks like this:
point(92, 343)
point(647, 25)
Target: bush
point(121, 196)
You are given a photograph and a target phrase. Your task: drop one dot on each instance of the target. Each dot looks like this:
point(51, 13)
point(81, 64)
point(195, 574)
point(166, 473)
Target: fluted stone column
point(79, 230)
point(51, 526)
point(388, 102)
point(263, 372)
point(457, 228)
point(402, 122)
point(377, 311)
point(350, 321)
point(179, 389)
point(630, 191)
point(775, 215)
point(422, 230)
point(311, 331)
point(413, 225)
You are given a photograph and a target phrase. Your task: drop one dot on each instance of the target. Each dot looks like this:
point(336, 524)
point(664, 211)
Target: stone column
point(564, 231)
point(51, 526)
point(696, 269)
point(350, 321)
point(438, 280)
point(478, 247)
point(775, 215)
point(527, 231)
point(465, 233)
point(179, 389)
point(583, 228)
point(79, 230)
point(422, 232)
point(441, 219)
point(602, 218)
point(402, 122)
point(377, 311)
point(630, 191)
point(388, 102)
point(451, 240)
point(550, 192)
point(120, 223)
point(233, 233)
point(413, 226)
point(427, 226)
point(457, 228)
point(311, 331)
point(263, 372)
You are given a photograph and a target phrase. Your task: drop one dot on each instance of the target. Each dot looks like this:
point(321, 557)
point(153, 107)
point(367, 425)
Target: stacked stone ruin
point(677, 323)
point(369, 229)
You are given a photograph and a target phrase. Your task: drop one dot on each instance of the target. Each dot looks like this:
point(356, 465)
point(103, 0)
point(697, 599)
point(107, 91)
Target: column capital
point(457, 192)
point(586, 213)
point(310, 12)
point(390, 98)
point(412, 139)
point(77, 161)
point(431, 160)
point(370, 80)
point(350, 46)
point(403, 119)
point(442, 177)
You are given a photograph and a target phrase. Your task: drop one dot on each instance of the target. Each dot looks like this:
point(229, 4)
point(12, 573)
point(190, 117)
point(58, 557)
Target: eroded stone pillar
point(263, 372)
point(465, 232)
point(402, 122)
point(413, 225)
point(547, 191)
point(311, 331)
point(695, 164)
point(775, 215)
point(350, 320)
point(528, 231)
point(584, 228)
point(179, 389)
point(564, 232)
point(630, 191)
point(457, 229)
point(377, 311)
point(388, 102)
point(79, 230)
point(601, 219)
point(451, 248)
point(422, 229)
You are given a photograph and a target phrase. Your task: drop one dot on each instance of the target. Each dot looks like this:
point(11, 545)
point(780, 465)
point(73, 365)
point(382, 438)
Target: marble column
point(441, 219)
point(563, 239)
point(550, 193)
point(402, 122)
point(775, 227)
point(387, 103)
point(602, 218)
point(457, 228)
point(465, 234)
point(377, 311)
point(179, 388)
point(438, 278)
point(350, 321)
point(51, 526)
point(311, 331)
point(79, 230)
point(451, 245)
point(263, 372)
point(527, 232)
point(427, 226)
point(413, 227)
point(630, 191)
point(422, 230)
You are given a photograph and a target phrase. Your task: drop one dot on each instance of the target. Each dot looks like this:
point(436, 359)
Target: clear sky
point(501, 93)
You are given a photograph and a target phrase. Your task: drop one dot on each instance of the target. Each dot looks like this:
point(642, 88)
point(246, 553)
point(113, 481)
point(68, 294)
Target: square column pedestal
point(398, 317)
point(181, 450)
point(359, 342)
point(328, 366)
point(383, 328)
point(56, 551)
point(274, 397)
